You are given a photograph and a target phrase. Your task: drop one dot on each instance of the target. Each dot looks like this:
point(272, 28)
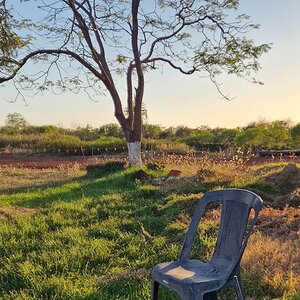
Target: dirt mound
point(287, 180)
point(291, 199)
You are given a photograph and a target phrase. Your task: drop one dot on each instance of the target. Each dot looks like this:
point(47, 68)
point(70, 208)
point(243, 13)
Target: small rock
point(173, 179)
point(157, 181)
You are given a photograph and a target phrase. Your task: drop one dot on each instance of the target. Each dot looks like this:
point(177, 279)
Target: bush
point(174, 148)
point(109, 145)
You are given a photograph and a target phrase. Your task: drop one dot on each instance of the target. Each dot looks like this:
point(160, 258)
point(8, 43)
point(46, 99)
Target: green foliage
point(112, 130)
point(9, 41)
point(14, 124)
point(107, 144)
point(200, 136)
point(274, 135)
point(151, 131)
point(15, 120)
point(109, 138)
point(225, 136)
point(295, 133)
point(87, 133)
point(236, 56)
point(53, 141)
point(183, 131)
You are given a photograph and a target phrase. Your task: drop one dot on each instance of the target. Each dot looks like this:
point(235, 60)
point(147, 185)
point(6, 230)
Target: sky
point(173, 100)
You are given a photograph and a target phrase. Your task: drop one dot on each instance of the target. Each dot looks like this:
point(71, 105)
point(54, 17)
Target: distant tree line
point(18, 133)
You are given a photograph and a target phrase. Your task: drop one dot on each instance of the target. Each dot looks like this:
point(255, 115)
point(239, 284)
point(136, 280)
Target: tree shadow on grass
point(93, 184)
point(281, 188)
point(33, 187)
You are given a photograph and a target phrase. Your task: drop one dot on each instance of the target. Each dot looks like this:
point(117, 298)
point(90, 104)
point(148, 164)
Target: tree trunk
point(135, 154)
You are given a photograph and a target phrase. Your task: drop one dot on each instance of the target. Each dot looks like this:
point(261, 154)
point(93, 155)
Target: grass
point(14, 179)
point(77, 235)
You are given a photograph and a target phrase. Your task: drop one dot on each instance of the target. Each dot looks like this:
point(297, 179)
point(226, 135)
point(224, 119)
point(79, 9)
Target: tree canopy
point(88, 44)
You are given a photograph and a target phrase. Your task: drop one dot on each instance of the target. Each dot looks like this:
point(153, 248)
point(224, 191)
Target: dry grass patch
point(281, 225)
point(8, 212)
point(273, 251)
point(203, 167)
point(18, 178)
point(275, 262)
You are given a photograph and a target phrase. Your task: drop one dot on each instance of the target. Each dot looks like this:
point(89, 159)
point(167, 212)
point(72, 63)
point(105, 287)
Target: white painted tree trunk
point(135, 154)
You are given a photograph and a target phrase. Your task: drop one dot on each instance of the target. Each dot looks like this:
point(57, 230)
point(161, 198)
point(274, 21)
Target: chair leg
point(154, 290)
point(238, 287)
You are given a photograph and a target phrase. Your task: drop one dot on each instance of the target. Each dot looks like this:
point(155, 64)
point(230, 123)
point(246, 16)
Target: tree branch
point(99, 58)
point(174, 33)
point(52, 52)
point(188, 72)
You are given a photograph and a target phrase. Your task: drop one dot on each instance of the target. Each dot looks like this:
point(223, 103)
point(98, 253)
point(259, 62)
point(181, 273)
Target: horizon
point(74, 126)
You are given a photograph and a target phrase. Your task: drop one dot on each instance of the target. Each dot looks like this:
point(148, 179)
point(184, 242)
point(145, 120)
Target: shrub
point(174, 148)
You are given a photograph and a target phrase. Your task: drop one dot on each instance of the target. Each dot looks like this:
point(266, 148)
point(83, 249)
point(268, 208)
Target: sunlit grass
point(98, 234)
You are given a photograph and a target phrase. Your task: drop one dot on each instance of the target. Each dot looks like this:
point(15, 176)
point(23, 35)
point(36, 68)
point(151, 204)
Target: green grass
point(85, 241)
point(98, 236)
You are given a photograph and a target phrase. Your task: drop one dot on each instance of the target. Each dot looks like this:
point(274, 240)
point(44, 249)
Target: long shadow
point(146, 207)
point(91, 185)
point(279, 189)
point(33, 187)
point(149, 209)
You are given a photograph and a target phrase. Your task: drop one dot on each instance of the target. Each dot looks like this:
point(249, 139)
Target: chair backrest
point(234, 233)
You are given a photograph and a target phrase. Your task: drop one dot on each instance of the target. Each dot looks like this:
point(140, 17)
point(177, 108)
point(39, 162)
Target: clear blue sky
point(172, 99)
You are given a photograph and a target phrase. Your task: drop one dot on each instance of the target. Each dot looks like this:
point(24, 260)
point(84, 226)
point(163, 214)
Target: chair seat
point(190, 272)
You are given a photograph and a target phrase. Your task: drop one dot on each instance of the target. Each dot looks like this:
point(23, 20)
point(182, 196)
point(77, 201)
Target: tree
point(10, 42)
point(110, 130)
point(295, 134)
point(102, 39)
point(200, 137)
point(183, 131)
point(264, 135)
point(87, 133)
point(14, 123)
point(152, 131)
point(225, 136)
